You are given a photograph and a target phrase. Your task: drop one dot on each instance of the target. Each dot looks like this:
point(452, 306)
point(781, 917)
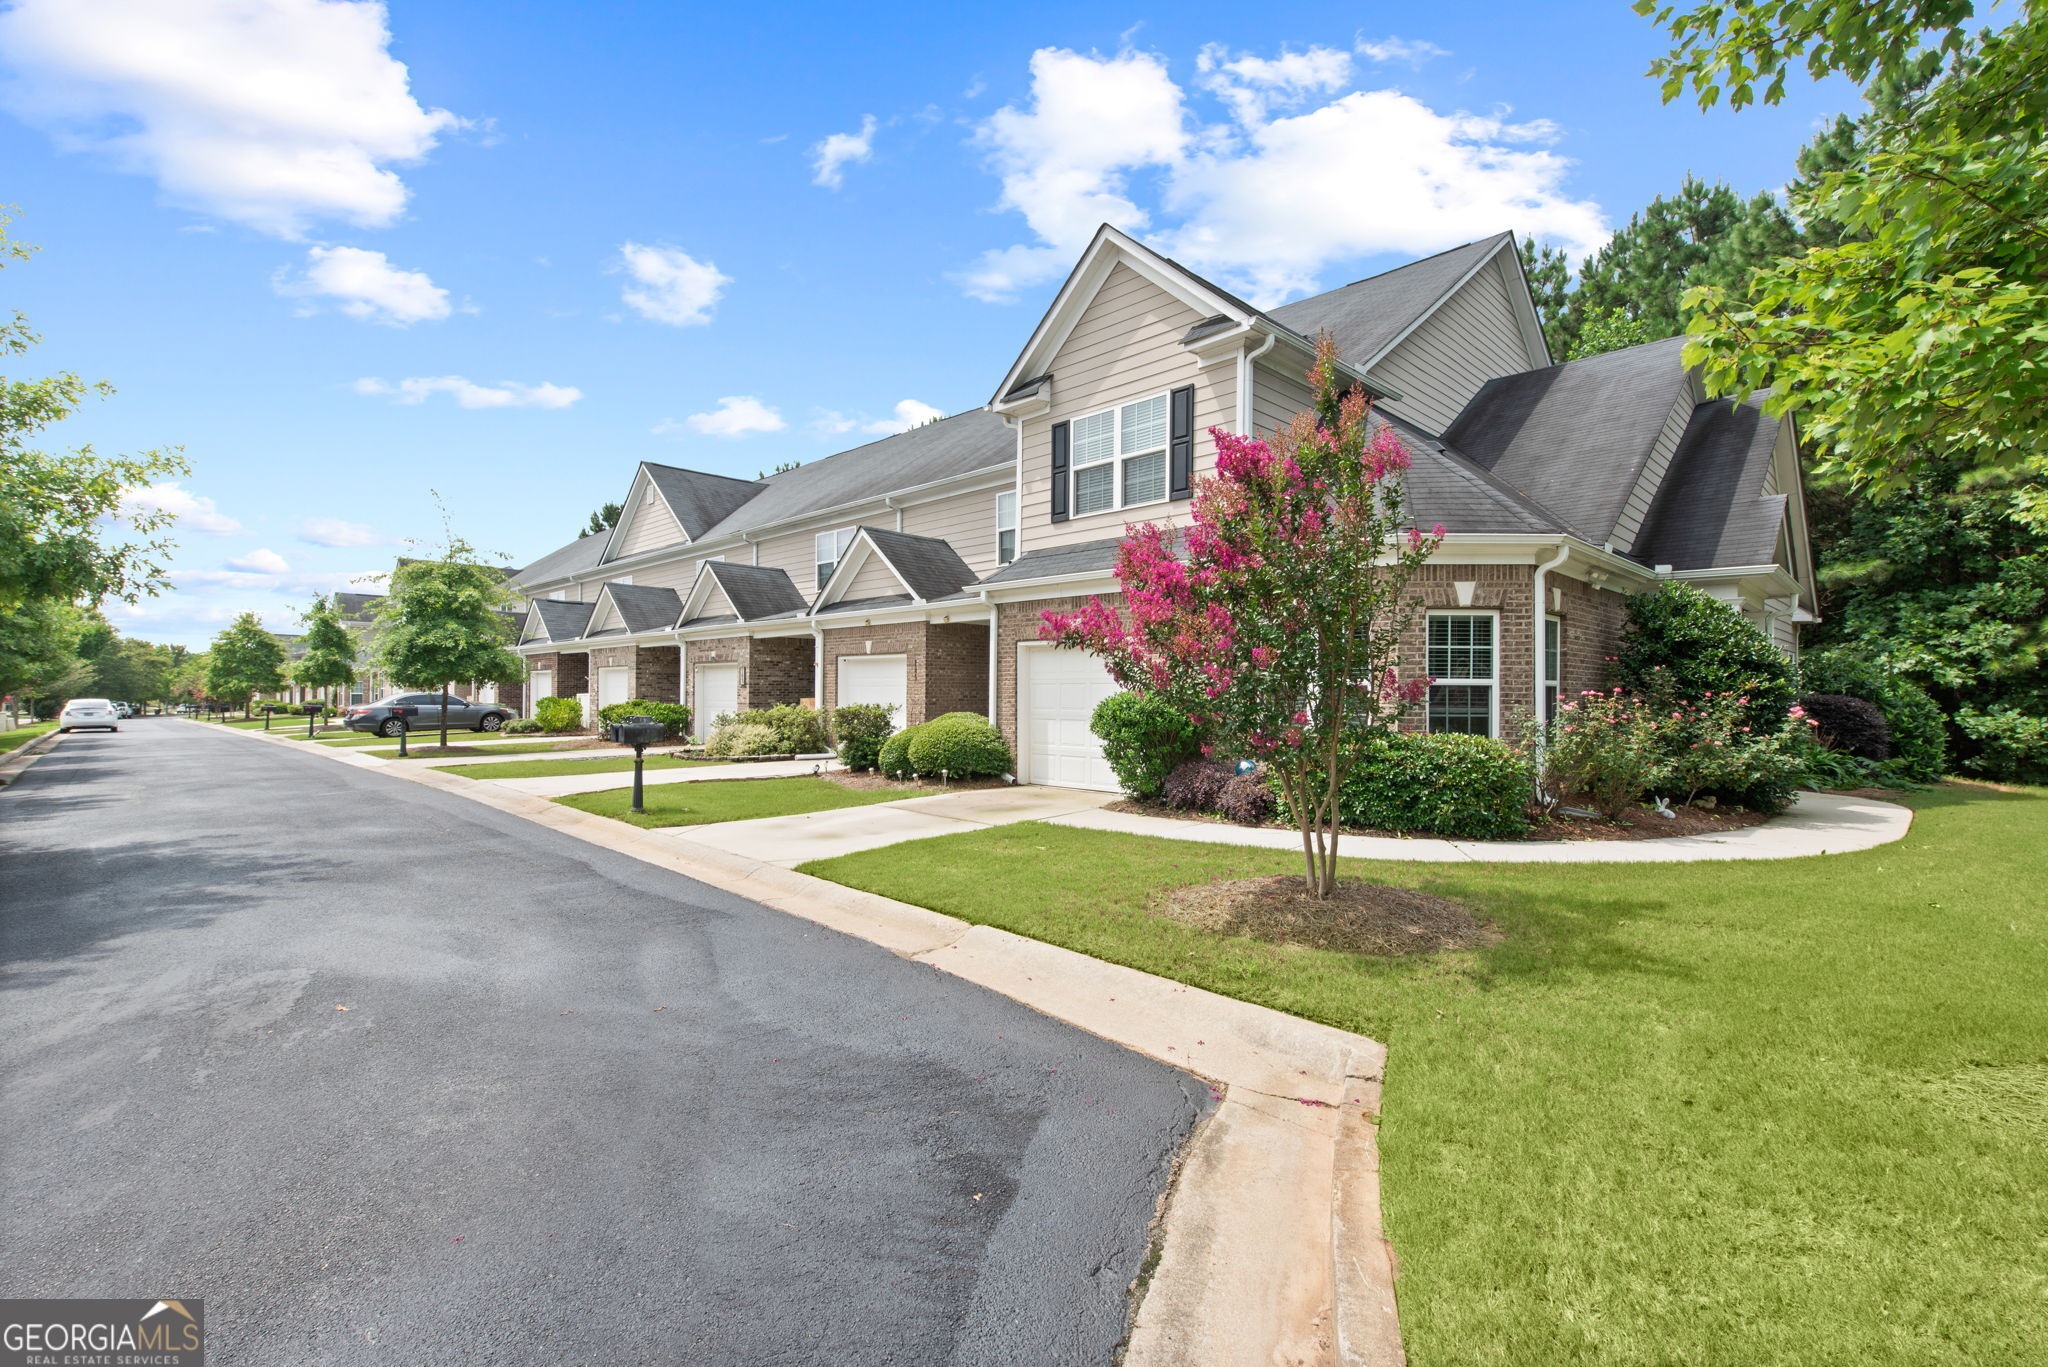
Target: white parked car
point(87, 713)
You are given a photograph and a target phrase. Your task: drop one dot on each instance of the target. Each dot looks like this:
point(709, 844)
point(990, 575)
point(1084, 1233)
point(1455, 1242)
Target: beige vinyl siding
point(603, 618)
point(1277, 395)
point(650, 527)
point(1472, 337)
point(716, 604)
point(967, 522)
point(795, 555)
point(874, 579)
point(1126, 346)
point(676, 574)
point(1654, 469)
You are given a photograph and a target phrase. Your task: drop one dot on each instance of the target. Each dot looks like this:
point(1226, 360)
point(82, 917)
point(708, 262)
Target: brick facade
point(773, 669)
point(658, 673)
point(572, 673)
point(1017, 622)
point(945, 664)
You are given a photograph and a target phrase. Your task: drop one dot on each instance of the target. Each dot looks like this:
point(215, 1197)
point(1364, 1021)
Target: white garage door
point(875, 679)
point(1057, 691)
point(541, 684)
point(612, 683)
point(718, 692)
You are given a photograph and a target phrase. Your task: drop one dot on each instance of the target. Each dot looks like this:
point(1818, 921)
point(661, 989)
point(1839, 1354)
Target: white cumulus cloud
point(737, 415)
point(194, 512)
point(333, 531)
point(833, 154)
point(261, 561)
point(907, 414)
point(364, 284)
point(1300, 173)
point(1413, 51)
point(671, 286)
point(272, 113)
point(468, 393)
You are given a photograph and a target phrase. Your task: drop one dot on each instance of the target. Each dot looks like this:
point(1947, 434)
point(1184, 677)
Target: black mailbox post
point(313, 711)
point(638, 732)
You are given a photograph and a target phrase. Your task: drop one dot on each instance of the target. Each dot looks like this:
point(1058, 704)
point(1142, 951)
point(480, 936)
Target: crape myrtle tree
point(1277, 624)
point(440, 624)
point(330, 658)
point(244, 660)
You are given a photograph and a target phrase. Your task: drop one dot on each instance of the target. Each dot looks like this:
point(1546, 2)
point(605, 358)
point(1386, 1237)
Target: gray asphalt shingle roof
point(643, 607)
point(1057, 562)
point(929, 565)
point(1574, 437)
point(757, 591)
point(1366, 315)
point(563, 620)
point(700, 501)
point(580, 554)
point(1711, 509)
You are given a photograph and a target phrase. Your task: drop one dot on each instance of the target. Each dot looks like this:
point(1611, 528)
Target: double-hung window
point(1119, 457)
point(831, 550)
point(1553, 664)
point(1006, 526)
point(1464, 661)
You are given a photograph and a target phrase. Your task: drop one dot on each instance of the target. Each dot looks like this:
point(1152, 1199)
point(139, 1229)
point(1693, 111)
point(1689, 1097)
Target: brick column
point(657, 673)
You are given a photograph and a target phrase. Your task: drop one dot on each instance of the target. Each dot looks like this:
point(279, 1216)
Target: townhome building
point(913, 571)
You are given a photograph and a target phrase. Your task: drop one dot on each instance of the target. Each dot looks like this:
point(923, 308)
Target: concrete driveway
point(385, 1076)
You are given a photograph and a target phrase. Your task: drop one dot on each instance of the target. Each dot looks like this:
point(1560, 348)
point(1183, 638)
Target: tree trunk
point(444, 716)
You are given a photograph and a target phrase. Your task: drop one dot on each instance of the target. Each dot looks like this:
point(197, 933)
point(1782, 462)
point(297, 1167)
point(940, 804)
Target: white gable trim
point(636, 498)
point(534, 628)
point(1103, 255)
point(1430, 312)
point(606, 613)
point(1525, 308)
point(849, 568)
point(700, 593)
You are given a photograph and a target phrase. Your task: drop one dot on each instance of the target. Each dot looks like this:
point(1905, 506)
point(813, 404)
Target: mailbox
point(638, 732)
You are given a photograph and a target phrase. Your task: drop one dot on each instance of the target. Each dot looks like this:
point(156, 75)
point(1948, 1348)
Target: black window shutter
point(1059, 472)
point(1181, 444)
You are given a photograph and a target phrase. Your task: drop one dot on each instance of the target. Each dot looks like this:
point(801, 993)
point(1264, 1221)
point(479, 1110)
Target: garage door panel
point(717, 693)
point(612, 683)
point(1061, 689)
point(879, 679)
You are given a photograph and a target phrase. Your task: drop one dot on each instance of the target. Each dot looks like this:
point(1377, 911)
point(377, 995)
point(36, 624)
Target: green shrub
point(558, 714)
point(1600, 750)
point(1681, 645)
point(798, 730)
point(522, 726)
point(893, 759)
point(1919, 733)
point(1144, 739)
point(738, 738)
point(1463, 787)
point(862, 728)
point(2013, 745)
point(673, 716)
point(959, 745)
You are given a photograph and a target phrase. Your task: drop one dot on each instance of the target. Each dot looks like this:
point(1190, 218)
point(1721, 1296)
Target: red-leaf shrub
point(1195, 785)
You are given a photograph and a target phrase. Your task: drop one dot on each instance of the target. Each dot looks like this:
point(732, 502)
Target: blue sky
point(504, 251)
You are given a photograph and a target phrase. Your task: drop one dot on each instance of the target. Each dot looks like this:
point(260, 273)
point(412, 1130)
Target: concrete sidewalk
point(1818, 823)
point(787, 841)
point(561, 785)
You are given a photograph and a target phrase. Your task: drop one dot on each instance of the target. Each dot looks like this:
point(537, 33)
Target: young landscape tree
point(442, 623)
point(243, 661)
point(1276, 626)
point(330, 658)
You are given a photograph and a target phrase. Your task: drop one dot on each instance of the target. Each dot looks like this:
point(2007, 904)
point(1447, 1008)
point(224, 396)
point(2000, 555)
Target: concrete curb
point(1271, 1247)
point(24, 756)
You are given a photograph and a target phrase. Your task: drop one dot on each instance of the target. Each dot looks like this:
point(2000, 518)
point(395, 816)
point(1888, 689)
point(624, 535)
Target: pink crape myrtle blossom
point(1275, 614)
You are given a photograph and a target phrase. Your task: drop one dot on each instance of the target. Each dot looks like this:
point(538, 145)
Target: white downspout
point(1542, 596)
point(1247, 362)
point(993, 614)
point(818, 665)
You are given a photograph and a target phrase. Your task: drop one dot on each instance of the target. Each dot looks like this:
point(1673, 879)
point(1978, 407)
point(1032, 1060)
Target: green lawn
point(419, 739)
point(547, 768)
point(1721, 1115)
point(736, 799)
point(22, 735)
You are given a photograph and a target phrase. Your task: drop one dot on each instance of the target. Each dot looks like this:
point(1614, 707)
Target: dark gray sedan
point(422, 712)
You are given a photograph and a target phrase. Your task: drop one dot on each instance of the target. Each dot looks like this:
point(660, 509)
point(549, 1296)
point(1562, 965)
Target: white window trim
point(1117, 458)
point(1492, 684)
point(818, 562)
point(1010, 494)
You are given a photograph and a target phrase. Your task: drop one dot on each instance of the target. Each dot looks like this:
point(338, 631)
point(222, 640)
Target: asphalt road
point(384, 1076)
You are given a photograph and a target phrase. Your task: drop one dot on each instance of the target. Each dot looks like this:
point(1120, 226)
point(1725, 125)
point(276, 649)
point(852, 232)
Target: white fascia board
point(1525, 312)
point(1430, 312)
point(1765, 578)
point(1052, 586)
point(962, 609)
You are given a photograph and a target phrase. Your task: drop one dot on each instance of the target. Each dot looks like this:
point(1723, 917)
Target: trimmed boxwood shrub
point(894, 758)
point(1143, 738)
point(1919, 733)
point(863, 728)
point(1681, 645)
point(1246, 799)
point(558, 714)
point(959, 745)
point(799, 730)
point(1195, 785)
point(673, 716)
point(738, 738)
point(1850, 725)
point(522, 726)
point(1464, 787)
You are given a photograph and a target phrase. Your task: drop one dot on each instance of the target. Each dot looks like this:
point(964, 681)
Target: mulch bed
point(1357, 918)
point(1645, 824)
